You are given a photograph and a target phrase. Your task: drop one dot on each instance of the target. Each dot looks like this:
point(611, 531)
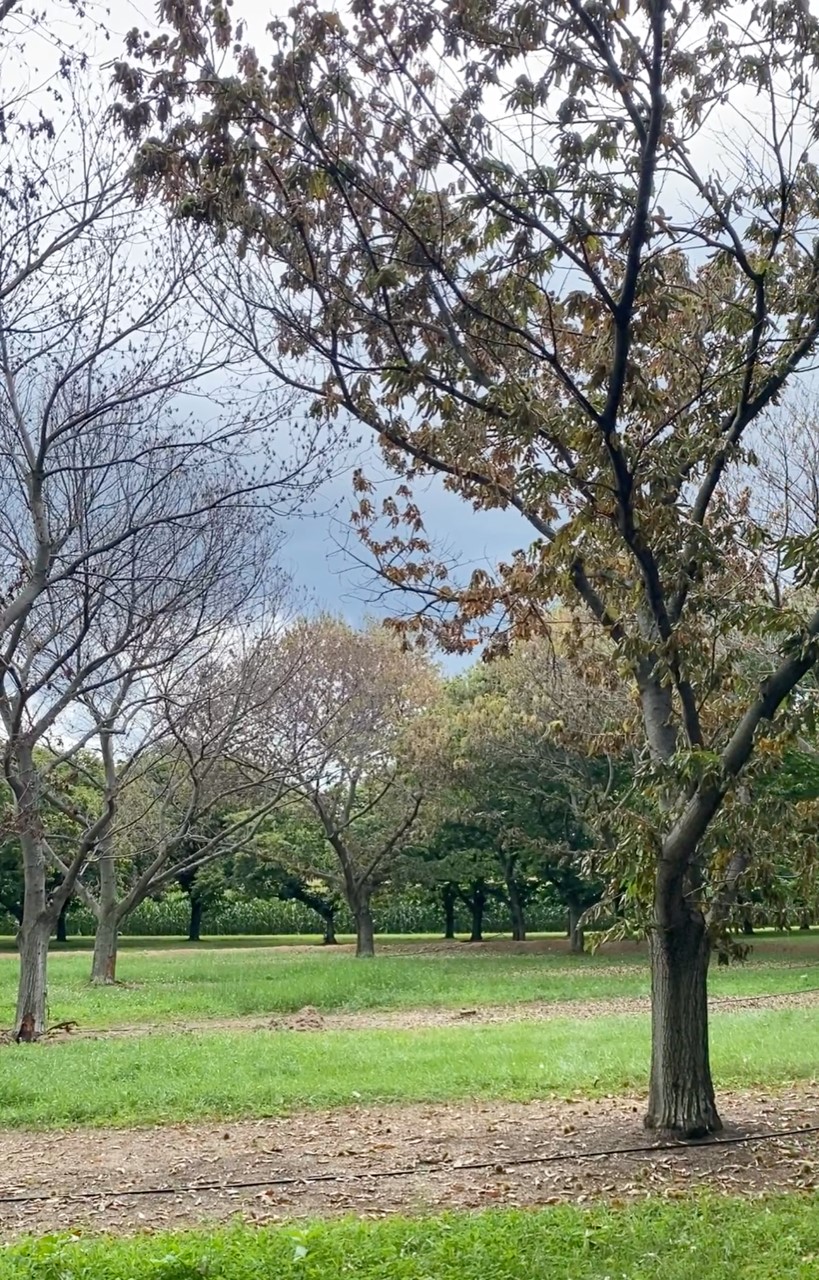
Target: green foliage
point(717, 1237)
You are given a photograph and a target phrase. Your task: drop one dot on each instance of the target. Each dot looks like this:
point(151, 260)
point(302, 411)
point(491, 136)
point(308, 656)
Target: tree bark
point(104, 962)
point(681, 1092)
point(448, 896)
point(516, 913)
point(577, 940)
point(747, 926)
point(195, 925)
point(39, 913)
point(32, 942)
point(329, 938)
point(477, 906)
point(364, 928)
point(106, 940)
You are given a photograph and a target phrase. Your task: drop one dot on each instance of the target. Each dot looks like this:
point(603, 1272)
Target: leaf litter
point(356, 1151)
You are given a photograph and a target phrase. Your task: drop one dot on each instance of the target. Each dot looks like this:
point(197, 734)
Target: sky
point(315, 538)
point(314, 551)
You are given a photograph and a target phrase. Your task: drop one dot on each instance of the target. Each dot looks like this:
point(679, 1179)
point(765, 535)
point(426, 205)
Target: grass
point(177, 985)
point(166, 942)
point(159, 1078)
point(717, 1239)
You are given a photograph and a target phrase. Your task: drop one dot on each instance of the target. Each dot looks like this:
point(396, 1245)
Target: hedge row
point(234, 915)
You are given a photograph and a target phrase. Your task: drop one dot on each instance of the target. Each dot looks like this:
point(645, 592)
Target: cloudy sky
point(314, 550)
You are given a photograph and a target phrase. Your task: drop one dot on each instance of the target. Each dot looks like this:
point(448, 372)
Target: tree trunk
point(805, 920)
point(106, 938)
point(62, 930)
point(195, 926)
point(747, 926)
point(448, 896)
point(681, 1092)
point(329, 938)
point(364, 929)
point(516, 913)
point(577, 940)
point(32, 942)
point(104, 962)
point(477, 906)
point(39, 917)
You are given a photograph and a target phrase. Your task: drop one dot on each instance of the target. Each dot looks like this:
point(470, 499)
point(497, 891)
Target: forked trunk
point(364, 929)
point(577, 938)
point(106, 939)
point(681, 1093)
point(32, 942)
point(448, 896)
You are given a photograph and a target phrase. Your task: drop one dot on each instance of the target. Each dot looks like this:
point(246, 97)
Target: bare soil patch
point(311, 1019)
point(379, 1160)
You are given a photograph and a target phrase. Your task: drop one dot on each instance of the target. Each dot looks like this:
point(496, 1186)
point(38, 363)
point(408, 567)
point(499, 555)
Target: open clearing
point(196, 986)
point(437, 1079)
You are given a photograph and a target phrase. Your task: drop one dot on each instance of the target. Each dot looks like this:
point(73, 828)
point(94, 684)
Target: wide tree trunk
point(32, 943)
point(747, 926)
point(448, 897)
point(477, 906)
point(364, 928)
point(106, 940)
point(516, 914)
point(195, 924)
point(681, 1093)
point(577, 939)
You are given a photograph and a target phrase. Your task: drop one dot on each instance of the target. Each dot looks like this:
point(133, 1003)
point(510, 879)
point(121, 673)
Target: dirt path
point(311, 1019)
point(376, 1160)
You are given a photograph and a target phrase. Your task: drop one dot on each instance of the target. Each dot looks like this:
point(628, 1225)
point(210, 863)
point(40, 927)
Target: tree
point(282, 864)
point(128, 528)
point(181, 795)
point(542, 267)
point(520, 746)
point(334, 736)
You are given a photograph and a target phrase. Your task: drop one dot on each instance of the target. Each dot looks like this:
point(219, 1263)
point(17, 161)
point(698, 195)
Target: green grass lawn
point(151, 1079)
point(708, 1238)
point(174, 985)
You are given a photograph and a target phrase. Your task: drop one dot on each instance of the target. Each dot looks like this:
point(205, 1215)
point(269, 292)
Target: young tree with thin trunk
point(336, 733)
point(565, 257)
